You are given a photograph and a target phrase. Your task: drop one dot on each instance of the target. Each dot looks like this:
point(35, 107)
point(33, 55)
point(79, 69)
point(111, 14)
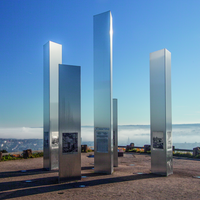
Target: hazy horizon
point(138, 134)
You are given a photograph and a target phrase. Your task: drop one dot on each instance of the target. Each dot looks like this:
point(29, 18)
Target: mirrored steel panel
point(103, 108)
point(115, 133)
point(52, 53)
point(69, 122)
point(160, 112)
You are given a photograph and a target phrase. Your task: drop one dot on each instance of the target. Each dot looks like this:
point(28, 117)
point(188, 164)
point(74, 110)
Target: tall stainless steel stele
point(52, 57)
point(103, 107)
point(115, 133)
point(69, 122)
point(161, 116)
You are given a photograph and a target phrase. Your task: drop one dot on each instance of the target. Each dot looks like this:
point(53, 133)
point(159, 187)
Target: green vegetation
point(136, 150)
point(188, 155)
point(198, 156)
point(40, 154)
point(37, 155)
point(132, 150)
point(179, 154)
point(89, 150)
point(17, 157)
point(9, 157)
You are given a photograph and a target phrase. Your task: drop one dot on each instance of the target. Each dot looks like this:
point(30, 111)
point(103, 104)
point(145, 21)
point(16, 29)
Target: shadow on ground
point(24, 173)
point(15, 189)
point(31, 172)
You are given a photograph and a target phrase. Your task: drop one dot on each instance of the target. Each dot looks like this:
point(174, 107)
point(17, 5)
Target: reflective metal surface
point(115, 133)
point(160, 109)
point(103, 108)
point(69, 122)
point(52, 57)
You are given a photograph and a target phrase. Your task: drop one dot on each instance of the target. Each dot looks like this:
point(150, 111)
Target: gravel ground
point(124, 183)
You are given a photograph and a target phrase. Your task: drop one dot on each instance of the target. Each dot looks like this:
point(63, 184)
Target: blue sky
point(139, 28)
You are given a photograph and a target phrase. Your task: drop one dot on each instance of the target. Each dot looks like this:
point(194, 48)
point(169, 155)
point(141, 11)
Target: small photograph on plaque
point(158, 140)
point(102, 142)
point(69, 143)
point(55, 140)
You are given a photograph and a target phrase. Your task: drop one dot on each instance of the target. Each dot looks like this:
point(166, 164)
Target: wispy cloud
point(21, 133)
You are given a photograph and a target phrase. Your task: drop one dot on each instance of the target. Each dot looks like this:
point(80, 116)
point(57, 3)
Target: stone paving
point(132, 179)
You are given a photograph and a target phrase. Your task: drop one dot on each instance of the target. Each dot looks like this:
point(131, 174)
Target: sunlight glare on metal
point(111, 26)
point(111, 32)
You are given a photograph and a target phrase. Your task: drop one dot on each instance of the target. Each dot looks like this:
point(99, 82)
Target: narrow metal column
point(103, 108)
point(115, 133)
point(52, 55)
point(160, 108)
point(69, 122)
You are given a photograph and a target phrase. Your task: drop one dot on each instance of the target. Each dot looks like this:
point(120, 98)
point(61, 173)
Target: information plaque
point(69, 143)
point(102, 142)
point(158, 140)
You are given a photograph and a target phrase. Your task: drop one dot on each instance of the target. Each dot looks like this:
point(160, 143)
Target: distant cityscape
point(18, 145)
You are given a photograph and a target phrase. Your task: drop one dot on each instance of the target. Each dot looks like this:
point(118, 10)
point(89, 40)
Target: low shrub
point(136, 150)
point(141, 150)
point(89, 150)
point(14, 157)
point(197, 156)
point(188, 155)
point(9, 157)
point(132, 150)
point(37, 155)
